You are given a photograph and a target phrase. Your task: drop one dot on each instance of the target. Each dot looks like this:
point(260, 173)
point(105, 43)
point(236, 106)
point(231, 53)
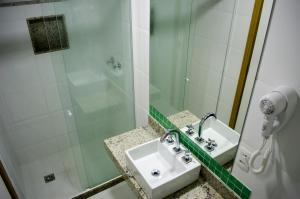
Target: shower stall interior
point(66, 84)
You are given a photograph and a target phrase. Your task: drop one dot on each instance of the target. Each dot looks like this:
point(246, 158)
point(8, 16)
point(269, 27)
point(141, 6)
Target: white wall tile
point(224, 112)
point(217, 25)
point(45, 68)
point(141, 116)
point(240, 32)
point(245, 7)
point(228, 90)
point(208, 81)
point(140, 11)
point(141, 49)
point(25, 104)
point(52, 97)
point(234, 63)
point(141, 87)
point(12, 13)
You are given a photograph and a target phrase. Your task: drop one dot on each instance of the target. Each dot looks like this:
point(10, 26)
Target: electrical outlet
point(243, 159)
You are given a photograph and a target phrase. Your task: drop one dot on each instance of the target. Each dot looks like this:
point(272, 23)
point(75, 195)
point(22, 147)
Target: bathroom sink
point(159, 170)
point(224, 138)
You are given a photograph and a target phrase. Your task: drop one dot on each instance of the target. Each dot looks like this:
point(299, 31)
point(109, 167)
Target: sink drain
point(155, 172)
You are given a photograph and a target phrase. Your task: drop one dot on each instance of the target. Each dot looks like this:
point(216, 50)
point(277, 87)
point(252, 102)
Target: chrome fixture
point(187, 158)
point(203, 119)
point(211, 145)
point(169, 133)
point(117, 66)
point(190, 130)
point(200, 139)
point(155, 172)
point(112, 61)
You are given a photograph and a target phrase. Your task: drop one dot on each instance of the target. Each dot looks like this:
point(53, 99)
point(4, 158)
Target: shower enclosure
point(60, 100)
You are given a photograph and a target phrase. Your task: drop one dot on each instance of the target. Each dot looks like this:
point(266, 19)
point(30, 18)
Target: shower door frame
point(7, 182)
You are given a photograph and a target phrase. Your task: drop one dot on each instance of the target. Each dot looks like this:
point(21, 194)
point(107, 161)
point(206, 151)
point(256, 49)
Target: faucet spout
point(202, 121)
point(172, 132)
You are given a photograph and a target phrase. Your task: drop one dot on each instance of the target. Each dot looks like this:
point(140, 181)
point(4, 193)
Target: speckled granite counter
point(116, 146)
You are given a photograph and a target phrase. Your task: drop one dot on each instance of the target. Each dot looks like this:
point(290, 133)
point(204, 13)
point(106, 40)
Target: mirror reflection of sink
point(158, 170)
point(218, 140)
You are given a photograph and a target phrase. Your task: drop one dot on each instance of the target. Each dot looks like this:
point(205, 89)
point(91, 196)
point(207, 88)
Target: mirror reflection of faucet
point(190, 130)
point(209, 145)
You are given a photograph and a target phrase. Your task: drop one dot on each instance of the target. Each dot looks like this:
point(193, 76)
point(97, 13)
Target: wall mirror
point(204, 56)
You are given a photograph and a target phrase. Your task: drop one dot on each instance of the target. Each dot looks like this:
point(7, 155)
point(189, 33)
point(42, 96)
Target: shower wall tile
point(244, 7)
point(125, 9)
point(12, 13)
point(25, 104)
point(240, 31)
point(225, 6)
point(52, 97)
point(216, 25)
point(37, 130)
point(234, 61)
point(45, 68)
point(30, 104)
point(18, 73)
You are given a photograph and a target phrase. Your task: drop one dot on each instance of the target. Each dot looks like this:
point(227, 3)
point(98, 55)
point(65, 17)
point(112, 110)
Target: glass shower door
point(95, 82)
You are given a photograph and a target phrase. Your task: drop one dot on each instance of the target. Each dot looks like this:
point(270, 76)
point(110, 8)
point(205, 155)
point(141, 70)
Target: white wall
point(279, 66)
point(140, 36)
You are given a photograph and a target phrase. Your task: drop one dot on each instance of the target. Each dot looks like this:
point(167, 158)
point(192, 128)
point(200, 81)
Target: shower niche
point(48, 33)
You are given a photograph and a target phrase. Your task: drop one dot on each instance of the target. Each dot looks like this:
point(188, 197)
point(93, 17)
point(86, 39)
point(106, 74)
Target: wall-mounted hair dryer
point(277, 107)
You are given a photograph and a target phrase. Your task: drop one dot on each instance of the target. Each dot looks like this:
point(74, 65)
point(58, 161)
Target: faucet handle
point(177, 149)
point(187, 156)
point(187, 153)
point(190, 126)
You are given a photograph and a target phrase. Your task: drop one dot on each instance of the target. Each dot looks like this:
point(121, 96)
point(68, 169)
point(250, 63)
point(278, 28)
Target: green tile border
point(233, 183)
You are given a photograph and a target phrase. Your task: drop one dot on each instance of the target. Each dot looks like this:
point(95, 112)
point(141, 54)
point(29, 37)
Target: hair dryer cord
point(265, 156)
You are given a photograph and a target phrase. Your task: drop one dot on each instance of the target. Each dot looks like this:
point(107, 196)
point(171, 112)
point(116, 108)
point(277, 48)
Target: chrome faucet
point(171, 132)
point(203, 119)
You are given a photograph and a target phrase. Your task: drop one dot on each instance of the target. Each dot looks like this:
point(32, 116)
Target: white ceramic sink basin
point(155, 157)
point(226, 139)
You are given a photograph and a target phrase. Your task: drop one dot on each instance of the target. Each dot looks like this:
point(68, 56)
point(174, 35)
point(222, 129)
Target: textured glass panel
point(96, 92)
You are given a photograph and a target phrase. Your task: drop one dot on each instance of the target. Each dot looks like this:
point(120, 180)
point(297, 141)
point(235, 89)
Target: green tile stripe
point(233, 183)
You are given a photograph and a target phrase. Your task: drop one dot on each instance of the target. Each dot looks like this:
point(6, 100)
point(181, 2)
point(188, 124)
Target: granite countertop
point(116, 147)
